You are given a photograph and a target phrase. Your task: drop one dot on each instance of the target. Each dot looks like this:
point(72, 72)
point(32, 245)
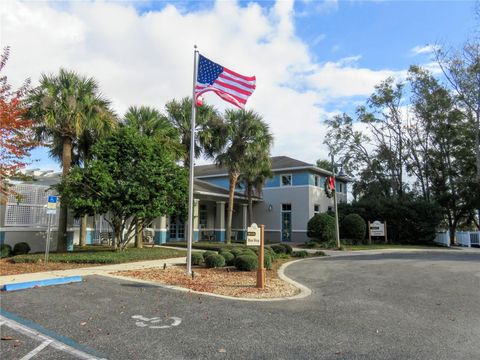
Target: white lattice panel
point(27, 208)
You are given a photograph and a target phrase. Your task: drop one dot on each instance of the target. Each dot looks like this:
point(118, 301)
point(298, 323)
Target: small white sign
point(377, 228)
point(253, 235)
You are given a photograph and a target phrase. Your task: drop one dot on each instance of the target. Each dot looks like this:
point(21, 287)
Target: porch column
point(160, 226)
point(220, 222)
point(196, 207)
point(245, 223)
point(3, 211)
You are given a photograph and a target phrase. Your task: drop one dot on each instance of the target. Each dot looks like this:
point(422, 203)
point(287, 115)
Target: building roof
point(279, 163)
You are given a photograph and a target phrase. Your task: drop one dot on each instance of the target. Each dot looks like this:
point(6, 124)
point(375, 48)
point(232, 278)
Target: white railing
point(463, 238)
point(442, 238)
point(475, 238)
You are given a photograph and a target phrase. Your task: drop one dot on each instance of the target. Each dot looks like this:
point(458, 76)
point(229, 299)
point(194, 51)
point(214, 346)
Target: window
point(339, 187)
point(316, 209)
point(202, 217)
point(286, 207)
point(286, 222)
point(286, 180)
point(316, 180)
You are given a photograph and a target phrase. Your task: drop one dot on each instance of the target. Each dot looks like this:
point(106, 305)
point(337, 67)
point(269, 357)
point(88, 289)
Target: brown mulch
point(9, 268)
point(222, 281)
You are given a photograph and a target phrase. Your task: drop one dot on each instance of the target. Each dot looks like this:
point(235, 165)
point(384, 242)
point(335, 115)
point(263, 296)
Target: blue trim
point(55, 336)
point(48, 282)
point(220, 235)
point(195, 235)
point(89, 237)
point(70, 235)
point(160, 236)
point(2, 237)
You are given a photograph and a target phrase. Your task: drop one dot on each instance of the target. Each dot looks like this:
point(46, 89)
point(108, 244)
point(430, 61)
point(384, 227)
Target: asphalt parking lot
point(416, 305)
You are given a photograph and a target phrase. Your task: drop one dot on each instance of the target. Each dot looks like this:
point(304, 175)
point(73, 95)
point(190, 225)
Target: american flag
point(227, 84)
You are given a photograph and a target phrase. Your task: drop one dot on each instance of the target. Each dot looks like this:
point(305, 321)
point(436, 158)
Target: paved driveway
point(416, 305)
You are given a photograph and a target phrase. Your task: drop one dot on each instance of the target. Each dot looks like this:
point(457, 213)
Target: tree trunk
point(138, 234)
point(83, 230)
point(62, 223)
point(233, 183)
point(250, 204)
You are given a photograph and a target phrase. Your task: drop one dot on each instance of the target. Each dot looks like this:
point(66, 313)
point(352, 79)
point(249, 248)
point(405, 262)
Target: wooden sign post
point(255, 237)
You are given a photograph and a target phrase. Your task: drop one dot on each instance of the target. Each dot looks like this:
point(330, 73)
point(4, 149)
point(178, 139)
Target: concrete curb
point(304, 291)
point(40, 283)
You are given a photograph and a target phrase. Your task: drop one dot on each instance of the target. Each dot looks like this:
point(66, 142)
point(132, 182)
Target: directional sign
point(377, 228)
point(52, 204)
point(253, 235)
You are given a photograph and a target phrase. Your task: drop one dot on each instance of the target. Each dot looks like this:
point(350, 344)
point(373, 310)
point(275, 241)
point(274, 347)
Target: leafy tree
point(246, 136)
point(16, 134)
point(151, 123)
point(325, 164)
point(208, 127)
point(65, 106)
point(131, 177)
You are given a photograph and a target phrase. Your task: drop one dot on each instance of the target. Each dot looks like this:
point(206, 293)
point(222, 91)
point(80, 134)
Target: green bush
point(279, 249)
point(21, 248)
point(312, 244)
point(353, 227)
point(249, 251)
point(208, 253)
point(319, 253)
point(282, 256)
point(288, 248)
point(267, 261)
point(236, 251)
point(5, 251)
point(228, 256)
point(214, 261)
point(197, 258)
point(300, 254)
point(321, 228)
point(246, 263)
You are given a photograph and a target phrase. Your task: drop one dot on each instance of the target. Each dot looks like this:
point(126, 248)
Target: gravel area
point(8, 268)
point(222, 281)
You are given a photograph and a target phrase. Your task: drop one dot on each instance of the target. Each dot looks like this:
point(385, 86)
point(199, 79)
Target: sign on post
point(52, 205)
point(51, 211)
point(253, 235)
point(377, 228)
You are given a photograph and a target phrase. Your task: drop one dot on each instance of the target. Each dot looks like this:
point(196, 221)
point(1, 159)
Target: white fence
point(463, 238)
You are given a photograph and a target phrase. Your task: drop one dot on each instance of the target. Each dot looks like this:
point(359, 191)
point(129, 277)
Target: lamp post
point(337, 230)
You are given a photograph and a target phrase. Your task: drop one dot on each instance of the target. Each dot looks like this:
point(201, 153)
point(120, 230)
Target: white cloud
point(425, 49)
point(148, 58)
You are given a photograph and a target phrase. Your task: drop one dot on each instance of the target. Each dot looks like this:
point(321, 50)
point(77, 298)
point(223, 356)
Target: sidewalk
point(94, 270)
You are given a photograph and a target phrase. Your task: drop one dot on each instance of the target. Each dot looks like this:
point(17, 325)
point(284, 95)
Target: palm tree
point(66, 107)
point(151, 123)
point(246, 135)
point(208, 126)
point(254, 175)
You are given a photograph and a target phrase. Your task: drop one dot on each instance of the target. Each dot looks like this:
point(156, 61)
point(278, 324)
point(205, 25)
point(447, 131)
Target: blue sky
point(312, 59)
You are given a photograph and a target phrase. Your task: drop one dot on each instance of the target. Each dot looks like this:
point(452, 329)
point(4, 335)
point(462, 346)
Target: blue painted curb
point(47, 282)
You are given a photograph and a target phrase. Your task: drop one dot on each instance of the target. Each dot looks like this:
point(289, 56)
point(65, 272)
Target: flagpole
point(191, 163)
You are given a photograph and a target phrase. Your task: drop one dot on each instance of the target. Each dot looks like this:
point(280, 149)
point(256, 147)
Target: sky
point(312, 59)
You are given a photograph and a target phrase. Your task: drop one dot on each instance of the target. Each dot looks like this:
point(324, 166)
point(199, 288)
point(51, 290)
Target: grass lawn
point(204, 245)
point(100, 255)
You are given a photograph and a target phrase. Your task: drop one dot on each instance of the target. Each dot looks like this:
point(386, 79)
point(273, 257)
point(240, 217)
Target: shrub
point(228, 256)
point(321, 227)
point(5, 251)
point(197, 258)
point(319, 253)
point(246, 263)
point(267, 261)
point(353, 227)
point(214, 261)
point(248, 251)
point(300, 254)
point(311, 244)
point(279, 249)
point(282, 256)
point(236, 251)
point(269, 251)
point(21, 248)
point(288, 248)
point(208, 253)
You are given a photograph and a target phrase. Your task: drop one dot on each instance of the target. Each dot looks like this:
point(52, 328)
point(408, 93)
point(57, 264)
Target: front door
point(177, 228)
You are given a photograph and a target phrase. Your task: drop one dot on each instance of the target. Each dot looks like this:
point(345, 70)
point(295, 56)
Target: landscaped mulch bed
point(9, 268)
point(222, 281)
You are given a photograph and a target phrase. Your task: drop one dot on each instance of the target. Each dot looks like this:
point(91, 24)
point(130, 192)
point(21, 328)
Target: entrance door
point(177, 228)
point(286, 222)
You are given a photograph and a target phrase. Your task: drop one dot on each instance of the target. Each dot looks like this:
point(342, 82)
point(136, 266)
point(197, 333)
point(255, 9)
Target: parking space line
point(46, 340)
point(35, 351)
